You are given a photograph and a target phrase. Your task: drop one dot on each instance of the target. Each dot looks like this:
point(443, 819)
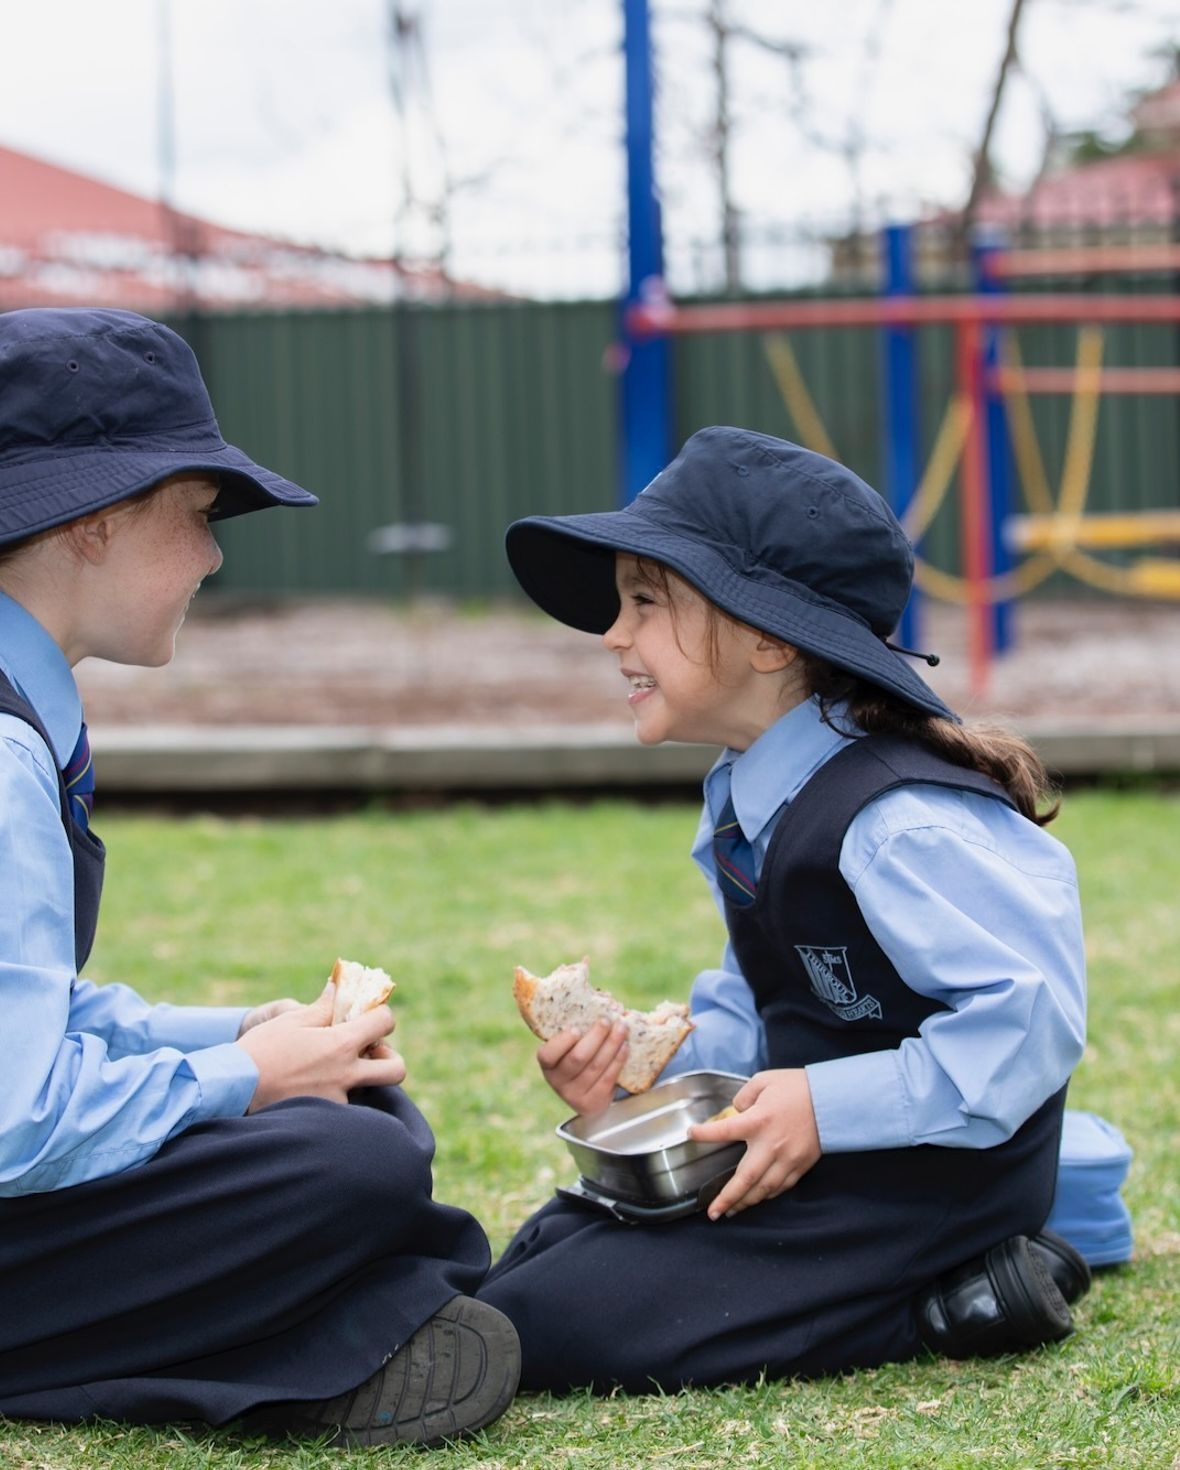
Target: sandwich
point(565, 998)
point(358, 989)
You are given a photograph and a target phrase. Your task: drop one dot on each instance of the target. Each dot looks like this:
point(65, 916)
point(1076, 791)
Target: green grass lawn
point(211, 910)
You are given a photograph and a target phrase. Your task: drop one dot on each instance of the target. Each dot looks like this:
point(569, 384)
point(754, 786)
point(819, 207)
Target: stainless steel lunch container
point(639, 1149)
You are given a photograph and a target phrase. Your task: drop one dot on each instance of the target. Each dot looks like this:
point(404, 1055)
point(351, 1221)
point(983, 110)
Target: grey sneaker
point(457, 1374)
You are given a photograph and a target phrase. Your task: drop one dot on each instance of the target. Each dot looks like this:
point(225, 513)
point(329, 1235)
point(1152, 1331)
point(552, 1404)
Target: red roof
point(1158, 114)
point(68, 239)
point(1134, 189)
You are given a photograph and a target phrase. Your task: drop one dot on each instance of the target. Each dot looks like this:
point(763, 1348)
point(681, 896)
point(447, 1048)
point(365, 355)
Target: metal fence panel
point(458, 416)
point(468, 415)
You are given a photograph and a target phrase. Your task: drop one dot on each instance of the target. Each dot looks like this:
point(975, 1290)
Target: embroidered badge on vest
point(831, 979)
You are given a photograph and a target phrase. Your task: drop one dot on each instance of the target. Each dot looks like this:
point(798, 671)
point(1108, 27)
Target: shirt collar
point(774, 769)
point(39, 670)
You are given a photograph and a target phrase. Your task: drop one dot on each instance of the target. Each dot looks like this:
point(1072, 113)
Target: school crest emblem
point(831, 978)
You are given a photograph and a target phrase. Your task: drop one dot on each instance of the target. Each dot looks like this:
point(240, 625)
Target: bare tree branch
point(981, 169)
point(720, 32)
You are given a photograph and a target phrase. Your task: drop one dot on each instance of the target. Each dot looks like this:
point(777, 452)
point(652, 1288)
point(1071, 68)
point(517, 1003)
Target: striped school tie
point(79, 778)
point(733, 857)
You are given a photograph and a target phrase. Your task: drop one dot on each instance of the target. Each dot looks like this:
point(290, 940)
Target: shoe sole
point(1035, 1308)
point(1069, 1268)
point(456, 1375)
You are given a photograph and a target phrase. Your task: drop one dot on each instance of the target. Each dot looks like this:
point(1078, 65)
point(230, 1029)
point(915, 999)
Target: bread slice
point(358, 989)
point(565, 998)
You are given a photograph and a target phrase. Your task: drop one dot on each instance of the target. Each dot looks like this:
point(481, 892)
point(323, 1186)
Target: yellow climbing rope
point(800, 404)
point(1064, 514)
point(1145, 578)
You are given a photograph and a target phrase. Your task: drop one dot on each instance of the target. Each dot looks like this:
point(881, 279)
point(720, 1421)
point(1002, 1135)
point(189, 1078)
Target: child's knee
point(364, 1164)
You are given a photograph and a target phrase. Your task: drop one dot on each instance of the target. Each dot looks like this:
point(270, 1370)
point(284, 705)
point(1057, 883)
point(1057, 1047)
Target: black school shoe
point(456, 1375)
point(1005, 1301)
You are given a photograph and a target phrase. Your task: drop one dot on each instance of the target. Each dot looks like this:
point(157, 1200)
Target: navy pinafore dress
point(820, 1279)
point(275, 1257)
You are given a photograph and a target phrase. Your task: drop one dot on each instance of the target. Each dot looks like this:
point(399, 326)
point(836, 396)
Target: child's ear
point(90, 536)
point(770, 656)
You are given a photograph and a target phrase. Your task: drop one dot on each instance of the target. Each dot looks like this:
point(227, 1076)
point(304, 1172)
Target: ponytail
point(989, 749)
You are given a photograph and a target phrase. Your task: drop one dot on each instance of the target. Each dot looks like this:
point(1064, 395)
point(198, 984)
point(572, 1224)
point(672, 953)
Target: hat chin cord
point(930, 658)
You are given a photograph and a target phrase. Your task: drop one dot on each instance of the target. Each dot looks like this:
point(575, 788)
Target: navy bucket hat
point(777, 536)
point(97, 405)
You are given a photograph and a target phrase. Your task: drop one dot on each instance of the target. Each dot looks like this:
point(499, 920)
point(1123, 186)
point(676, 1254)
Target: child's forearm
point(131, 1026)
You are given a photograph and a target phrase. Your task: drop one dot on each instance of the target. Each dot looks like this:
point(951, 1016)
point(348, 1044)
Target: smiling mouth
point(640, 686)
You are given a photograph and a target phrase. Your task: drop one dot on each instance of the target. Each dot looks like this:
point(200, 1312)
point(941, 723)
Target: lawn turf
point(205, 909)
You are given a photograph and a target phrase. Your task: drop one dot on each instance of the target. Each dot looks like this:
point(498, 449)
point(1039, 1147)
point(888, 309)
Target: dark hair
point(990, 749)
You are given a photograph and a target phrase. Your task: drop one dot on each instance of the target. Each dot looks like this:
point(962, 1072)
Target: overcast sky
point(283, 117)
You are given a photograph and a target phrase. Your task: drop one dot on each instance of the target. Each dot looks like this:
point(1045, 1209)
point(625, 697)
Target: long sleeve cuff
point(227, 1078)
point(859, 1103)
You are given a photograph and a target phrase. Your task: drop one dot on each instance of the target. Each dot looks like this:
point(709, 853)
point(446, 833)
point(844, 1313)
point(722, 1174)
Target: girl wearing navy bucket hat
point(903, 981)
point(193, 1226)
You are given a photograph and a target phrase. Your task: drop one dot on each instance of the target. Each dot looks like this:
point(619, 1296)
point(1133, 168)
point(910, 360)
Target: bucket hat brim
point(77, 481)
point(566, 564)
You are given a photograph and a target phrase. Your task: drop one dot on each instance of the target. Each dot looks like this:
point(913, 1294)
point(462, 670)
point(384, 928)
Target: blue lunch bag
point(1088, 1209)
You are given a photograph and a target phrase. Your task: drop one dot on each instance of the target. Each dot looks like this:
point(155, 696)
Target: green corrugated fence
point(466, 415)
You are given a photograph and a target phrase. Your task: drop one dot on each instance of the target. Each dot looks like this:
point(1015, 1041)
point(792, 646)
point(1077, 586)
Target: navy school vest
point(823, 986)
point(88, 852)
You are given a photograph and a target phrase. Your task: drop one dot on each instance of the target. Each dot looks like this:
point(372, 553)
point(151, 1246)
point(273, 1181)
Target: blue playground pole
point(999, 448)
point(901, 406)
point(646, 378)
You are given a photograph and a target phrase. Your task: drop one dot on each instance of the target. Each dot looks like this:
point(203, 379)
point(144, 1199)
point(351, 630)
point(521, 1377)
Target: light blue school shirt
point(94, 1079)
point(973, 905)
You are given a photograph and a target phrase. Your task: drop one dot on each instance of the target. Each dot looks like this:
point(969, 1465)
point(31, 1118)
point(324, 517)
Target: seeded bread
point(358, 989)
point(565, 999)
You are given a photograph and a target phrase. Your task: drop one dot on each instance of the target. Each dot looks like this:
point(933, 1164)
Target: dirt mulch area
point(366, 663)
